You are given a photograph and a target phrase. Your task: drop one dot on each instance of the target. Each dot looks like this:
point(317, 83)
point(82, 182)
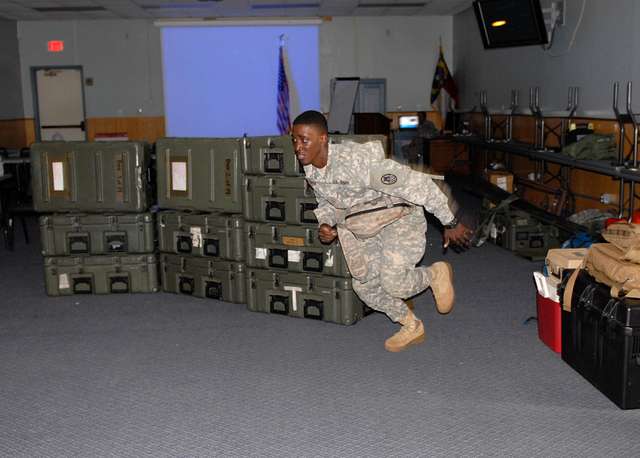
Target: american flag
point(284, 122)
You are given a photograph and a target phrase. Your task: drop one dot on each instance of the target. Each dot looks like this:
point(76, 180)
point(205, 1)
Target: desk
point(12, 160)
point(5, 224)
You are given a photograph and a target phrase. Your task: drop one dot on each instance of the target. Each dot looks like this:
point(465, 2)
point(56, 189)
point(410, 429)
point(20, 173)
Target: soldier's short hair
point(312, 118)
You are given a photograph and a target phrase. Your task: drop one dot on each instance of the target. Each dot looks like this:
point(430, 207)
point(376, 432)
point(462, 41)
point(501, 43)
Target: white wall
point(10, 98)
point(404, 50)
point(606, 49)
point(124, 59)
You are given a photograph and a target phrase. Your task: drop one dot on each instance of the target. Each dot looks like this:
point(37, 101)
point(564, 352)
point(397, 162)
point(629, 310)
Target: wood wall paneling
point(17, 133)
point(135, 128)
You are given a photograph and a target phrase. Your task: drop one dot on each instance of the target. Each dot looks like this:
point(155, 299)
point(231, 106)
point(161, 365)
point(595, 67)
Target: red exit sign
point(55, 46)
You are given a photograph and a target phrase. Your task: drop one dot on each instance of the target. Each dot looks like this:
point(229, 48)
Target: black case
point(601, 340)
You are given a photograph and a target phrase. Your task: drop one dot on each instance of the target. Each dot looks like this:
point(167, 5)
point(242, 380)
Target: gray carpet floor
point(167, 375)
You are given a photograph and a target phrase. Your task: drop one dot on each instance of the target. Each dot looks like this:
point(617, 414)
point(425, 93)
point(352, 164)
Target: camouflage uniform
point(359, 173)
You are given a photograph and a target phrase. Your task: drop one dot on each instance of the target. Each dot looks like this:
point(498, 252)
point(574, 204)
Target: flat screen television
point(505, 23)
point(408, 122)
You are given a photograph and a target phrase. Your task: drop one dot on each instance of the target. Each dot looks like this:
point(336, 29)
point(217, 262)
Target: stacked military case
point(521, 233)
point(289, 271)
point(201, 227)
point(96, 232)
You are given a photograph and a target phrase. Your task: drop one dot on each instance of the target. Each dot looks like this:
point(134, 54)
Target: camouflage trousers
point(391, 257)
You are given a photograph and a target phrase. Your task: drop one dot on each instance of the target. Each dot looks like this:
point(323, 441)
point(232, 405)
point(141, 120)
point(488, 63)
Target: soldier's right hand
point(326, 233)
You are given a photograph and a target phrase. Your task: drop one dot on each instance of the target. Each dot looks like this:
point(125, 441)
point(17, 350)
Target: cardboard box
point(559, 259)
point(501, 179)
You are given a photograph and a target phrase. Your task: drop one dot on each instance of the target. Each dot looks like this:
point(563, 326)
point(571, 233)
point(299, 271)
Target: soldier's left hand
point(460, 236)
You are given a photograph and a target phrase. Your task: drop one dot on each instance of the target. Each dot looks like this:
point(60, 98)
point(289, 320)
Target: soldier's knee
point(395, 283)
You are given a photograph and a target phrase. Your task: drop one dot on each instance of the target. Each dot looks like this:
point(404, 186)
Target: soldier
point(374, 206)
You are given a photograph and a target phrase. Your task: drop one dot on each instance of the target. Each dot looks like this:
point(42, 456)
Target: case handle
point(312, 262)
point(306, 212)
point(186, 285)
point(184, 244)
point(82, 285)
point(213, 290)
point(313, 309)
point(273, 162)
point(117, 242)
point(274, 211)
point(119, 284)
point(279, 304)
point(278, 258)
point(78, 243)
point(211, 247)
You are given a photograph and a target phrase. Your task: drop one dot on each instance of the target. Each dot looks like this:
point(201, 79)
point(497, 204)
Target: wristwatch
point(454, 222)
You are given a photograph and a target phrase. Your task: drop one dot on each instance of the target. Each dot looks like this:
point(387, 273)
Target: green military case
point(292, 248)
point(303, 295)
point(91, 176)
point(273, 199)
point(202, 277)
point(217, 235)
point(66, 275)
point(203, 174)
point(80, 233)
point(270, 156)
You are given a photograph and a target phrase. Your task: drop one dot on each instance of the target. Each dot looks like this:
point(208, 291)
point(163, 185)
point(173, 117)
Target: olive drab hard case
point(273, 199)
point(81, 234)
point(292, 248)
point(202, 277)
point(203, 174)
point(303, 295)
point(216, 235)
point(65, 275)
point(91, 176)
point(270, 156)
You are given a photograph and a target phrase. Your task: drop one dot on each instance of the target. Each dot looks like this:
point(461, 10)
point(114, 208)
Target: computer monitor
point(408, 122)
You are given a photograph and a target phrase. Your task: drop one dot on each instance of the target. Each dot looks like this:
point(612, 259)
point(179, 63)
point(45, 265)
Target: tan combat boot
point(411, 333)
point(442, 286)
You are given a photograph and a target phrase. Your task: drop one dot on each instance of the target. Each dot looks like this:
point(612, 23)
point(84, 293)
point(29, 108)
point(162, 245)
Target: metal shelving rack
point(626, 169)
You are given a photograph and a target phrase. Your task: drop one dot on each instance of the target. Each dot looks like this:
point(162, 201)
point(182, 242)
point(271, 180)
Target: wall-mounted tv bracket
point(486, 117)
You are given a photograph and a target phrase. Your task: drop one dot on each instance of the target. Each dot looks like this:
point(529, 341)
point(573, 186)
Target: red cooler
point(549, 311)
point(549, 322)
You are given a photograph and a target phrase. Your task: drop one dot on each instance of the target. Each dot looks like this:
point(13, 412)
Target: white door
point(60, 104)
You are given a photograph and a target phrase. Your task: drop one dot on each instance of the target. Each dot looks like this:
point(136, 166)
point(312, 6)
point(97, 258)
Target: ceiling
point(34, 10)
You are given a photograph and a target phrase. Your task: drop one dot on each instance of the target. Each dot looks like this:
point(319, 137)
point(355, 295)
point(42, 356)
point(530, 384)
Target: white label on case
point(63, 281)
point(294, 296)
point(261, 253)
point(178, 176)
point(502, 182)
point(196, 236)
point(329, 261)
point(293, 255)
point(57, 171)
